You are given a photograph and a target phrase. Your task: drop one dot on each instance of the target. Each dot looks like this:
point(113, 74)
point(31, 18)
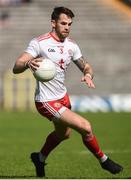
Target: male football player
point(51, 98)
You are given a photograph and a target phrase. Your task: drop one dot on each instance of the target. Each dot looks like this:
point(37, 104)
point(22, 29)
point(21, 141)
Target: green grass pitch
point(24, 132)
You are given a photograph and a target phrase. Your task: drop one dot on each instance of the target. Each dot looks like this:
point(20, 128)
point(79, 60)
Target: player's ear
point(53, 23)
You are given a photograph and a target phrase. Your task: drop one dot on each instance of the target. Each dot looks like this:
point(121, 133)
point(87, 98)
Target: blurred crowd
point(13, 2)
point(4, 10)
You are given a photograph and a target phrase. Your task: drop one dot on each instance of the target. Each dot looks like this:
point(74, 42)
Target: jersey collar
point(55, 38)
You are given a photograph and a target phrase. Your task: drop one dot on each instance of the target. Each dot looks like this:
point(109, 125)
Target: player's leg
point(60, 133)
point(51, 111)
point(83, 126)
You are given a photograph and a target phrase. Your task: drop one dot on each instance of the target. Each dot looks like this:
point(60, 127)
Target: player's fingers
point(82, 79)
point(88, 82)
point(92, 85)
point(39, 59)
point(33, 67)
point(35, 62)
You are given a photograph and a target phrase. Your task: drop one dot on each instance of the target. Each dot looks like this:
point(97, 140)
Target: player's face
point(62, 26)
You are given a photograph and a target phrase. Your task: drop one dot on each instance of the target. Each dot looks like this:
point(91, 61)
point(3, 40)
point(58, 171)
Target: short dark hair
point(61, 10)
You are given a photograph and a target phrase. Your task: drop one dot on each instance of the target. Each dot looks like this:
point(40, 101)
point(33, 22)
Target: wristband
point(89, 75)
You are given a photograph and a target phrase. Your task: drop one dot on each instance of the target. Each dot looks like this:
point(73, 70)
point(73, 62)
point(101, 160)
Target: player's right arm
point(24, 62)
point(21, 63)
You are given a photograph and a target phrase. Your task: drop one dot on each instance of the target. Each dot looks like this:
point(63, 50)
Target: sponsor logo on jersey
point(51, 50)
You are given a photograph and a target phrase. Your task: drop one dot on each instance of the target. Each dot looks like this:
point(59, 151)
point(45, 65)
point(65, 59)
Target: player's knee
point(66, 135)
point(87, 130)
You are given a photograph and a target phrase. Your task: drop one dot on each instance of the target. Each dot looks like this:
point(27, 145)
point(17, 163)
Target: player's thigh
point(75, 121)
point(61, 129)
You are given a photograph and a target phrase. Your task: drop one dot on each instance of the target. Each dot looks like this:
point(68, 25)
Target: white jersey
point(61, 53)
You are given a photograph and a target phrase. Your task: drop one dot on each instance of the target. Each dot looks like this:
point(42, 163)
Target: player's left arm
point(87, 70)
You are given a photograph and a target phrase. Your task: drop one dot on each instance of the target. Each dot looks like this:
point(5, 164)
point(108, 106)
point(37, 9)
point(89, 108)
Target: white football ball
point(46, 70)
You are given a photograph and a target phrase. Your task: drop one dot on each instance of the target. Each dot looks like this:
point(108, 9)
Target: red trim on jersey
point(56, 39)
point(43, 37)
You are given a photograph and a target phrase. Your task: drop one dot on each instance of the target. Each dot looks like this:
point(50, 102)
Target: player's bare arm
point(87, 71)
point(24, 62)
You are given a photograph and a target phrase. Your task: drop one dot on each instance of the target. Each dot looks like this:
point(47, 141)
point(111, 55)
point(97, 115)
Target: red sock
point(92, 145)
point(51, 142)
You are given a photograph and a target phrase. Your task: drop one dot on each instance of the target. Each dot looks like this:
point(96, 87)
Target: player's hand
point(88, 81)
point(33, 63)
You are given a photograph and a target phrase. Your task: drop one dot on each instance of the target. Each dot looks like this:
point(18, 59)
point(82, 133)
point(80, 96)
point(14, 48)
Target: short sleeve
point(77, 52)
point(33, 48)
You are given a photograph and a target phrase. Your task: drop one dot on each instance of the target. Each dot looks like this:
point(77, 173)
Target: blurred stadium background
point(102, 28)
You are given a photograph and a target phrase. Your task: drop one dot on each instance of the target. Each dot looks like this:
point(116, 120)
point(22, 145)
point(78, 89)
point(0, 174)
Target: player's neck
point(56, 37)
